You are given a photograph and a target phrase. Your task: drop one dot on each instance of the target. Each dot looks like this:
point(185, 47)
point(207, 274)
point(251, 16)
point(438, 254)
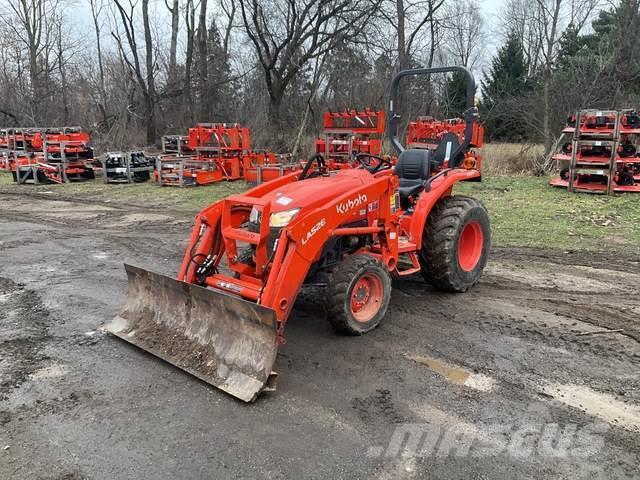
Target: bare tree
point(189, 20)
point(540, 27)
point(550, 17)
point(522, 20)
point(96, 11)
point(551, 14)
point(174, 11)
point(411, 17)
point(144, 76)
point(33, 23)
point(205, 105)
point(287, 34)
point(229, 8)
point(465, 35)
point(61, 63)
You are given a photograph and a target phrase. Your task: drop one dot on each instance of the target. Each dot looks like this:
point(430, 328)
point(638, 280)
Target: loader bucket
point(223, 340)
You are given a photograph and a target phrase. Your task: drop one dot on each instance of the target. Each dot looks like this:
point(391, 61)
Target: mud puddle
point(455, 374)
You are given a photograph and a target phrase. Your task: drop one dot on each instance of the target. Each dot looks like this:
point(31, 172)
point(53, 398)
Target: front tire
point(455, 244)
point(357, 294)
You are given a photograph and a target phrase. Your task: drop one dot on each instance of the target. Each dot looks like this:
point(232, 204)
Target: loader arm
point(207, 223)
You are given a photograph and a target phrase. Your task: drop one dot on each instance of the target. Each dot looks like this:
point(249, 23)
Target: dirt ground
point(548, 340)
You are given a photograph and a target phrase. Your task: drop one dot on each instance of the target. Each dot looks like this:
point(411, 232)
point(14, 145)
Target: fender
point(440, 187)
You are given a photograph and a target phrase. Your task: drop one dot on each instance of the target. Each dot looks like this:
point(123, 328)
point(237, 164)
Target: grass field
point(525, 210)
point(144, 194)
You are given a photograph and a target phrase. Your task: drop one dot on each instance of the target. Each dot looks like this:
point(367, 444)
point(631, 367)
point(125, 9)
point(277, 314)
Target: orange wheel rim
point(470, 246)
point(366, 297)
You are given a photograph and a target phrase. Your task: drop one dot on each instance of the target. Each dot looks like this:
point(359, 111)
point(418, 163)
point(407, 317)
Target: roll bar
point(470, 114)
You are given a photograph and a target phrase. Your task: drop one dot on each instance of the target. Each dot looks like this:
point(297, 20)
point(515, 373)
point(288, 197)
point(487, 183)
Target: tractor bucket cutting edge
point(225, 341)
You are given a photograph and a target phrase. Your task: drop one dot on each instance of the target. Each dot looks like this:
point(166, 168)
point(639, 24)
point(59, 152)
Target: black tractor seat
point(446, 148)
point(414, 166)
point(413, 169)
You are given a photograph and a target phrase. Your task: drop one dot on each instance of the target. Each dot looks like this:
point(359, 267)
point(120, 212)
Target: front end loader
point(350, 231)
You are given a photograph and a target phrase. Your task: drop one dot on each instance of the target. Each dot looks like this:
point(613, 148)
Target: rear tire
point(455, 244)
point(357, 294)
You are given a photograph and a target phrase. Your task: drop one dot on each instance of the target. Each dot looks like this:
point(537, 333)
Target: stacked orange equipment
point(429, 133)
point(73, 140)
point(348, 133)
point(222, 144)
point(599, 153)
point(45, 155)
point(210, 153)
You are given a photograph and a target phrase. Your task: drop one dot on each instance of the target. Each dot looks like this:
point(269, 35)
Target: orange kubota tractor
point(350, 230)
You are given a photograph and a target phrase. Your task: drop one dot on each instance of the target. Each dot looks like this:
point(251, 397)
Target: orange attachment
point(349, 132)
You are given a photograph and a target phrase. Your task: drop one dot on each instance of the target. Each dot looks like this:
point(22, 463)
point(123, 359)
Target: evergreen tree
point(571, 45)
point(505, 84)
point(609, 53)
point(220, 85)
point(508, 73)
point(456, 95)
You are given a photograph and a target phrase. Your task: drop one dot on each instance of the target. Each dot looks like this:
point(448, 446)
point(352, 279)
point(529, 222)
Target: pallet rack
point(46, 155)
point(348, 133)
point(601, 157)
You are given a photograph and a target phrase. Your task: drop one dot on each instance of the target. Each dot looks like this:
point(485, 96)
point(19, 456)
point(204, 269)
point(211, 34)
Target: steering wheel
point(382, 162)
point(322, 166)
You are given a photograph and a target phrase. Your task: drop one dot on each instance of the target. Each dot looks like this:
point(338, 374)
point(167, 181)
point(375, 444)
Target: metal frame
point(55, 168)
point(470, 115)
point(580, 138)
point(130, 171)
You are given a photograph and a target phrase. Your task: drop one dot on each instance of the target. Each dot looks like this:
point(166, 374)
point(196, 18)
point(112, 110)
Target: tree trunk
point(205, 110)
point(102, 105)
point(34, 75)
point(403, 60)
point(277, 127)
point(63, 79)
point(546, 127)
point(175, 23)
point(403, 55)
point(548, 65)
point(315, 84)
point(150, 100)
point(188, 62)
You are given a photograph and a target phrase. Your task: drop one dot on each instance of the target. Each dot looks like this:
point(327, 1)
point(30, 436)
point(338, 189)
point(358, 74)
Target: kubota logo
point(352, 203)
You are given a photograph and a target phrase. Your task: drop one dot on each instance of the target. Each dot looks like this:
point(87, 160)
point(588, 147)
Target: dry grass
point(512, 158)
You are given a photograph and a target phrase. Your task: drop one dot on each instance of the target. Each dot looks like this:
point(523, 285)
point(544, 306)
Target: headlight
point(282, 219)
point(254, 216)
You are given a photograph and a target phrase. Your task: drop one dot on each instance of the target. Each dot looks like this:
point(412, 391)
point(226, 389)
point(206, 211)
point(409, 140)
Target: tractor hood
point(316, 191)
